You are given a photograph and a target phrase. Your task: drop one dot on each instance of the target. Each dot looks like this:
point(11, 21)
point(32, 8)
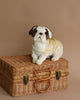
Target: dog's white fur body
point(43, 48)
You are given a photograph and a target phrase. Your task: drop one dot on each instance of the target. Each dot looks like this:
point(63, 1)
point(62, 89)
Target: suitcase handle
point(46, 70)
point(42, 91)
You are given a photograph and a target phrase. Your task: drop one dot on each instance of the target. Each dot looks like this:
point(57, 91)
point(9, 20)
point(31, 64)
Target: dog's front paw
point(38, 62)
point(54, 59)
point(34, 61)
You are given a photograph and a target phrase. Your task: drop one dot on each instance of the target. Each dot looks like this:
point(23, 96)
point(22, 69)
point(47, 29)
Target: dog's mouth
point(39, 37)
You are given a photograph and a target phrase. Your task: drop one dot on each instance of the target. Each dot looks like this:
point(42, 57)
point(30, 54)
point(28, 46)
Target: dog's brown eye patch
point(40, 33)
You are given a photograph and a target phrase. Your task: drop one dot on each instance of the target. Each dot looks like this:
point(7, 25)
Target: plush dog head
point(40, 34)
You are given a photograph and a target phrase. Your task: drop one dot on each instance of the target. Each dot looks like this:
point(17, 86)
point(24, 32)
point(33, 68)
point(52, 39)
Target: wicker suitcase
point(19, 76)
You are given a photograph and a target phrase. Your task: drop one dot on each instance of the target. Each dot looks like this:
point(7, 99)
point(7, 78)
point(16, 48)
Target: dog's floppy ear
point(33, 31)
point(48, 33)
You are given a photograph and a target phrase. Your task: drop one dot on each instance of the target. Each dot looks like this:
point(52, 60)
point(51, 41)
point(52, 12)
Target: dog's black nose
point(40, 33)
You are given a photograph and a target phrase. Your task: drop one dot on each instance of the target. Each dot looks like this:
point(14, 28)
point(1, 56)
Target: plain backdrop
point(62, 17)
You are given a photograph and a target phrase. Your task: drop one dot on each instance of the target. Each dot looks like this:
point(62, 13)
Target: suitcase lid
point(19, 66)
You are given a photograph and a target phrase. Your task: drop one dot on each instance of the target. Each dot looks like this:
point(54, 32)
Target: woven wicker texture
point(14, 68)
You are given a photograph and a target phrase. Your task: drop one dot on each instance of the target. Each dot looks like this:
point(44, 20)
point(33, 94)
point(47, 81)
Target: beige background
point(62, 17)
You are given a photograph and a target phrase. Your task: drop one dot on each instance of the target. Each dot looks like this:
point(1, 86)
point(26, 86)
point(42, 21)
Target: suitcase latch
point(58, 74)
point(26, 79)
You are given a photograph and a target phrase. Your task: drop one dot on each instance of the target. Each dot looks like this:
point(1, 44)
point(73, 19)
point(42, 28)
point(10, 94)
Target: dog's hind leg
point(57, 54)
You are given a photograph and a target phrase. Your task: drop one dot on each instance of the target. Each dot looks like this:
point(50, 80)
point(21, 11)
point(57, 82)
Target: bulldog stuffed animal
point(44, 46)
